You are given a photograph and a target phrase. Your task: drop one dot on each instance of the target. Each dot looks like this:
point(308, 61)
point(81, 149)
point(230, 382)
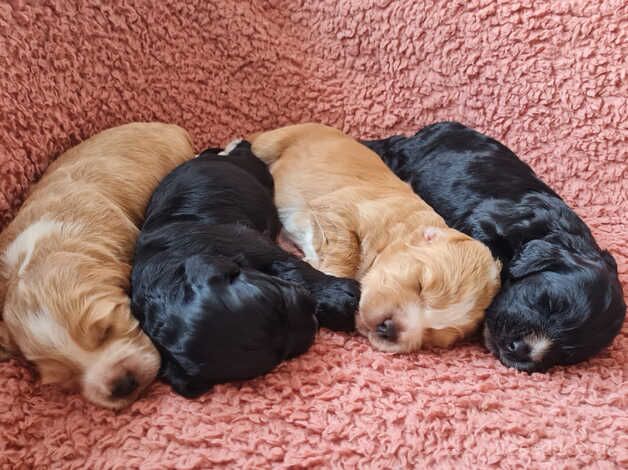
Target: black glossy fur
point(557, 282)
point(217, 296)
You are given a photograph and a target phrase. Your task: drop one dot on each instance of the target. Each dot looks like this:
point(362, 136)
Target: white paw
point(230, 146)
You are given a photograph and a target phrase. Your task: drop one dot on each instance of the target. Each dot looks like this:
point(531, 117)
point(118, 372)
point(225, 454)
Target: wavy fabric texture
point(549, 79)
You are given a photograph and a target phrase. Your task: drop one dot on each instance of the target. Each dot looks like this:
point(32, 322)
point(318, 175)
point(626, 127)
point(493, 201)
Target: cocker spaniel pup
point(423, 284)
point(218, 297)
point(65, 263)
point(561, 301)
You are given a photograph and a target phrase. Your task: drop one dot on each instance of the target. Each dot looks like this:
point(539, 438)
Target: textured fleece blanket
point(546, 78)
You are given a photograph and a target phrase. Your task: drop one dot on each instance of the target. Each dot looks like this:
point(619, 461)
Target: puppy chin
point(385, 346)
point(138, 360)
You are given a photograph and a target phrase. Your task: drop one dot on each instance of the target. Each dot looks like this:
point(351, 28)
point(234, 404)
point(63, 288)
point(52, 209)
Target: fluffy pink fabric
point(548, 79)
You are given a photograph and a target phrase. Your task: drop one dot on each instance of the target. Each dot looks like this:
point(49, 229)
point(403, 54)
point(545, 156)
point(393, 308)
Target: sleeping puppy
point(423, 284)
point(65, 263)
point(561, 301)
point(220, 300)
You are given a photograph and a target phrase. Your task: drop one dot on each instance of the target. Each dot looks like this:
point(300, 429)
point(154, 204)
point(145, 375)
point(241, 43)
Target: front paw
point(337, 302)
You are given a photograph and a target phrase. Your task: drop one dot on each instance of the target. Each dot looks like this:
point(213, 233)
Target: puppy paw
point(230, 146)
point(337, 302)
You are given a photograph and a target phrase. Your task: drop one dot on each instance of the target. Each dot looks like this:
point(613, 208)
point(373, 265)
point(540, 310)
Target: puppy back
point(269, 145)
point(122, 165)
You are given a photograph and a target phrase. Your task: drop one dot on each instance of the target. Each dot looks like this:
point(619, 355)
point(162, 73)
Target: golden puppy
point(65, 263)
point(422, 282)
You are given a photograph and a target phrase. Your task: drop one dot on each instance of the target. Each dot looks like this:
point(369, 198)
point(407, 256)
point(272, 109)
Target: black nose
point(124, 386)
point(387, 330)
point(519, 350)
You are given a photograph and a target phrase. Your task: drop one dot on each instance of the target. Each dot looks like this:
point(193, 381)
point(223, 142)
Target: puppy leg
point(298, 227)
point(323, 238)
point(337, 299)
point(337, 295)
point(339, 255)
point(337, 247)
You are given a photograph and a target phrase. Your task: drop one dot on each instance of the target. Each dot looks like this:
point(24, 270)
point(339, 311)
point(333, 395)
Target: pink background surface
point(546, 78)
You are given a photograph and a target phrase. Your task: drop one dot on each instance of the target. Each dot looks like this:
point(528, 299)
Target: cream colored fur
point(353, 217)
point(65, 261)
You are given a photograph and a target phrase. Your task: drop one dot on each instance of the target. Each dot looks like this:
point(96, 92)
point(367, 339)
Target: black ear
point(609, 260)
point(226, 271)
point(199, 269)
point(535, 256)
point(299, 320)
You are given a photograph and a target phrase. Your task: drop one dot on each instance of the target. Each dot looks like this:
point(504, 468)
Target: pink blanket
point(548, 79)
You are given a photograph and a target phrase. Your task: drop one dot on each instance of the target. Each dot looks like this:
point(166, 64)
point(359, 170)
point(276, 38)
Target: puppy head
point(430, 292)
point(69, 315)
point(555, 307)
point(223, 322)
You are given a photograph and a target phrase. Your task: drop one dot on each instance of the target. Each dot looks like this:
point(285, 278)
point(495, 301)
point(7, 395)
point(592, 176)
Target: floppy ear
point(535, 256)
point(198, 269)
point(609, 260)
point(497, 222)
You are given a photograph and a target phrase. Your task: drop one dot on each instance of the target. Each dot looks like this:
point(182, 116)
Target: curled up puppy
point(561, 300)
point(218, 297)
point(423, 284)
point(65, 265)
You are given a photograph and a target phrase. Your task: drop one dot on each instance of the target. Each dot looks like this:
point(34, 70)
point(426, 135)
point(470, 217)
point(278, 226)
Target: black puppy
point(561, 301)
point(218, 298)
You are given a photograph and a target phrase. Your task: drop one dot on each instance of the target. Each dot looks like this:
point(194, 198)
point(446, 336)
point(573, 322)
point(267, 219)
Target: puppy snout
point(519, 350)
point(387, 330)
point(124, 386)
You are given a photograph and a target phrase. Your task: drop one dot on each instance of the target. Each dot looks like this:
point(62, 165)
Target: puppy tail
point(269, 146)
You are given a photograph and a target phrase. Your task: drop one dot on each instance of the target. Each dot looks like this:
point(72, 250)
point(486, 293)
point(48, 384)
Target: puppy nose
point(387, 330)
point(519, 350)
point(124, 386)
